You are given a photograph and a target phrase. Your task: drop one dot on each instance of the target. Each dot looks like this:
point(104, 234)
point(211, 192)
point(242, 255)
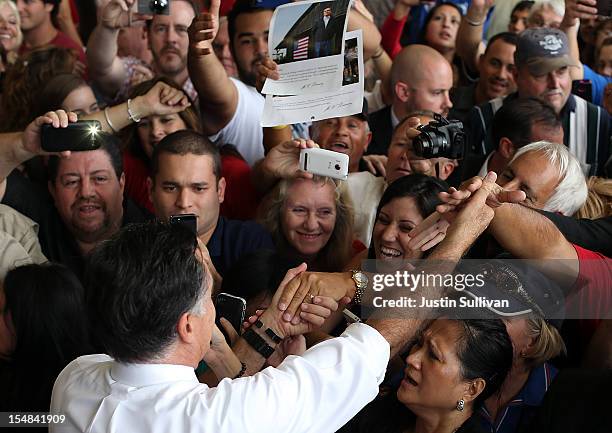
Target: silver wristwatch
point(361, 282)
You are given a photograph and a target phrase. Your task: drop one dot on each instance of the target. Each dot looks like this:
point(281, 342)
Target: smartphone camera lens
point(337, 167)
point(158, 6)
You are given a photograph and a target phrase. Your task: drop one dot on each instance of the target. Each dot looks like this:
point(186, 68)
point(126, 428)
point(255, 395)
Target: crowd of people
point(108, 306)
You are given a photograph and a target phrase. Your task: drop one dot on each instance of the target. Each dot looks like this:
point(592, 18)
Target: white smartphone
point(325, 163)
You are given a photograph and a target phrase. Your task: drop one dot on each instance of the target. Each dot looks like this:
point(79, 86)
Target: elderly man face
point(349, 135)
point(553, 88)
point(533, 173)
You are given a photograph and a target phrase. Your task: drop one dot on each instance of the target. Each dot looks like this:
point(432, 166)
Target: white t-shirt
point(244, 130)
point(317, 392)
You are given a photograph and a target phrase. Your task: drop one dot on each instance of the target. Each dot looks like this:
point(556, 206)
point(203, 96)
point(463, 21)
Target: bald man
point(421, 80)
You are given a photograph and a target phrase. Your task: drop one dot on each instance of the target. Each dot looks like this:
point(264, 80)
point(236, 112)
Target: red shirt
point(591, 296)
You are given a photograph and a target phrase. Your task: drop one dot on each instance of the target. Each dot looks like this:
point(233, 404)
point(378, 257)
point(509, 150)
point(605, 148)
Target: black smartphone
point(77, 136)
point(231, 308)
point(153, 7)
point(583, 88)
point(189, 220)
point(604, 8)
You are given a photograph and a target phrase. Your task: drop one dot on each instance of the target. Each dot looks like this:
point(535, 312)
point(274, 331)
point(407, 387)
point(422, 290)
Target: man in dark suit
point(323, 32)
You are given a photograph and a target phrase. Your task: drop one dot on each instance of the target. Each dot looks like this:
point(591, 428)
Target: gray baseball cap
point(542, 50)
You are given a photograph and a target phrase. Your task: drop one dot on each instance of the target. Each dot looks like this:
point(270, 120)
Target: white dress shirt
point(317, 392)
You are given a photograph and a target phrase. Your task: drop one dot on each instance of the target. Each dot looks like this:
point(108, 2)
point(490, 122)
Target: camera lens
point(337, 167)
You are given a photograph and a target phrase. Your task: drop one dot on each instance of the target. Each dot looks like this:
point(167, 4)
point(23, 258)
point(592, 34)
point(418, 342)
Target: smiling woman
point(312, 220)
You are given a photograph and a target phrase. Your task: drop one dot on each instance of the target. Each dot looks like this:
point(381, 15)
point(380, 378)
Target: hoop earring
point(461, 405)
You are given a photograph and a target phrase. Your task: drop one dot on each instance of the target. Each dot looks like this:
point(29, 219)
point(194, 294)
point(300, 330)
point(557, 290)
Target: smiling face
point(390, 235)
point(81, 101)
point(250, 43)
point(88, 196)
point(9, 28)
point(154, 128)
point(442, 29)
point(308, 216)
point(33, 13)
point(348, 135)
point(496, 68)
point(433, 365)
point(169, 40)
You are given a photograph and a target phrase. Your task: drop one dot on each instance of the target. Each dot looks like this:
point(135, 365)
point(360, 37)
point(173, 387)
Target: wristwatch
point(258, 343)
point(361, 282)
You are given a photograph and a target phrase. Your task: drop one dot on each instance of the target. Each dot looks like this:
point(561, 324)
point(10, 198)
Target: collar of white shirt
point(151, 374)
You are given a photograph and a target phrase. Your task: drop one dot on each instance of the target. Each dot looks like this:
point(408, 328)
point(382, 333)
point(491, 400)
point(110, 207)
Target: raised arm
point(218, 96)
point(105, 66)
point(18, 147)
point(469, 37)
point(574, 11)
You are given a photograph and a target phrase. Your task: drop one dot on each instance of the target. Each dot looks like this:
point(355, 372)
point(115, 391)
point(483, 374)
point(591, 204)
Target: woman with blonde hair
point(311, 220)
point(599, 201)
point(10, 29)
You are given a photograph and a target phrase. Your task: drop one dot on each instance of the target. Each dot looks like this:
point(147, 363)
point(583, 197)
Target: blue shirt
point(520, 411)
point(599, 83)
point(232, 238)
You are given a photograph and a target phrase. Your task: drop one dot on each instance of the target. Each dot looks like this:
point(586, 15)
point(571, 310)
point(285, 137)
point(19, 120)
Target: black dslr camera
point(154, 7)
point(440, 138)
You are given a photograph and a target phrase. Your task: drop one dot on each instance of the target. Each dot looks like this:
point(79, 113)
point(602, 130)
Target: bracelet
point(269, 332)
point(379, 52)
point(258, 343)
point(474, 23)
point(131, 114)
point(108, 120)
point(242, 370)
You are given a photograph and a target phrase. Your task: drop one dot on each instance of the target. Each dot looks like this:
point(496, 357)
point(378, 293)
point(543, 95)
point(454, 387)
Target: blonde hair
point(337, 252)
point(13, 7)
point(548, 342)
point(599, 199)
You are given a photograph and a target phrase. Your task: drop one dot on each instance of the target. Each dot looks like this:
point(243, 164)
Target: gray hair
point(571, 192)
point(558, 7)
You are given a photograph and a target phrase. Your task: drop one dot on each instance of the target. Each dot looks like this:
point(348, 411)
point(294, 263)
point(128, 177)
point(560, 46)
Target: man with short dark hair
point(186, 179)
point(421, 79)
point(38, 30)
point(86, 204)
point(542, 71)
point(516, 124)
point(495, 80)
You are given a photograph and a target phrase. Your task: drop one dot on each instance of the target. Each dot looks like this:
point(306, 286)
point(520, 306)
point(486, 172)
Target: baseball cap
point(524, 289)
point(543, 50)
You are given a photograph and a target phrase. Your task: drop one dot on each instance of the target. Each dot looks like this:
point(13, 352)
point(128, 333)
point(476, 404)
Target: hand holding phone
point(77, 136)
point(188, 220)
point(231, 308)
point(325, 163)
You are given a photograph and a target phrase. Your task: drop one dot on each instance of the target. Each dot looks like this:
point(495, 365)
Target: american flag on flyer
point(300, 51)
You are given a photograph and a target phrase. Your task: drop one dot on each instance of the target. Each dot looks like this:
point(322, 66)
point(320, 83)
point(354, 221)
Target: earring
point(461, 405)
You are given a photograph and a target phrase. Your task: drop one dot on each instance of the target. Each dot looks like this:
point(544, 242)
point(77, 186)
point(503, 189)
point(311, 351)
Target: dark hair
point(515, 119)
point(507, 37)
point(430, 15)
point(424, 189)
point(255, 274)
point(25, 79)
point(484, 350)
point(55, 10)
point(128, 135)
point(524, 5)
point(108, 143)
point(240, 7)
point(138, 284)
point(55, 91)
point(48, 313)
point(186, 142)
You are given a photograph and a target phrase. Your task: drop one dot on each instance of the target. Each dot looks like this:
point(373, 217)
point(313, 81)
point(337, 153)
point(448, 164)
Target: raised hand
point(203, 30)
point(283, 161)
point(32, 134)
point(161, 99)
point(118, 13)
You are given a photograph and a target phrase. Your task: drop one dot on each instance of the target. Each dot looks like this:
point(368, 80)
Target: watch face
point(360, 278)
